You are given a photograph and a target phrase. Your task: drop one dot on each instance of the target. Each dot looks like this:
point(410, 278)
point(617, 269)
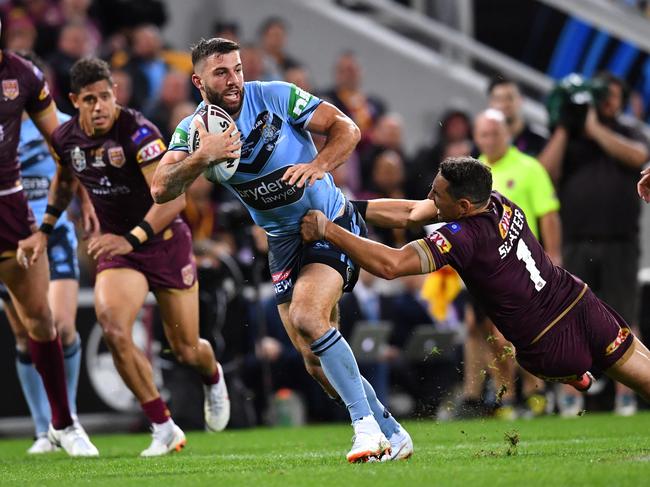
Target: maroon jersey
point(23, 88)
point(506, 269)
point(110, 166)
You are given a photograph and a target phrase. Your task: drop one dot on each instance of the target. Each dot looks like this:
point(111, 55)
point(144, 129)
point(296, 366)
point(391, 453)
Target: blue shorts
point(288, 254)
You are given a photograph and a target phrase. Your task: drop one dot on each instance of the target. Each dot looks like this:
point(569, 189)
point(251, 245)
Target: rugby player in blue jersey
point(279, 178)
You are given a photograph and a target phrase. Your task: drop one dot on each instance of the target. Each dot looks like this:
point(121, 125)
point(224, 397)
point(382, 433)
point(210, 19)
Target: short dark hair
point(87, 71)
point(207, 47)
point(270, 22)
point(499, 80)
point(468, 178)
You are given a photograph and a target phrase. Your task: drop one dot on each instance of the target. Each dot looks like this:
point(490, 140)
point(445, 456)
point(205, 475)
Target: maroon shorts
point(16, 224)
point(167, 261)
point(591, 337)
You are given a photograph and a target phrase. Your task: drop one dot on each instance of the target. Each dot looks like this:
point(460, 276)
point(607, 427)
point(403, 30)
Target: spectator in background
point(504, 95)
point(175, 89)
point(252, 60)
point(73, 44)
point(46, 17)
point(146, 66)
point(273, 41)
point(123, 88)
point(387, 134)
point(77, 11)
point(596, 170)
point(226, 30)
point(523, 180)
point(454, 126)
point(178, 113)
point(299, 75)
point(348, 95)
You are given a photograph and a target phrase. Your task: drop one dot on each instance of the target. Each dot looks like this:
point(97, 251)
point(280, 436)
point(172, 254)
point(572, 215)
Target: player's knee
point(308, 322)
point(186, 353)
point(114, 335)
point(65, 327)
point(39, 323)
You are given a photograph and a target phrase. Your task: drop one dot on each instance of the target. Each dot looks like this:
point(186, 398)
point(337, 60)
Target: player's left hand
point(301, 174)
point(109, 245)
point(643, 186)
point(313, 226)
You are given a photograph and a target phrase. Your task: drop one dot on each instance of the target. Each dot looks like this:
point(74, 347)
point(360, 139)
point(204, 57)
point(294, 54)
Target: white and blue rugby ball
point(215, 120)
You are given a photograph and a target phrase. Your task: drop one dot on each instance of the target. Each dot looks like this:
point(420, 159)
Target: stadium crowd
point(389, 325)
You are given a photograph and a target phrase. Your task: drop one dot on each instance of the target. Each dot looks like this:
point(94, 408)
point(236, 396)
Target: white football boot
point(401, 446)
point(42, 445)
point(216, 405)
point(73, 440)
point(368, 444)
point(167, 438)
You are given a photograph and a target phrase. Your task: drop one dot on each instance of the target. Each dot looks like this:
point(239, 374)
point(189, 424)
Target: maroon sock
point(156, 411)
point(48, 360)
point(210, 380)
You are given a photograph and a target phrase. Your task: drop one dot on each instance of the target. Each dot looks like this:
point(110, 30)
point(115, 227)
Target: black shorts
point(288, 254)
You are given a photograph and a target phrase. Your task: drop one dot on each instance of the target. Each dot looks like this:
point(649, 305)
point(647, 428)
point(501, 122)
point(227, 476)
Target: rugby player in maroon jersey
point(23, 88)
point(113, 152)
point(560, 329)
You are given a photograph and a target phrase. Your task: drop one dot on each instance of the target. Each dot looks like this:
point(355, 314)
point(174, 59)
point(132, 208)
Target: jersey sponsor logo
point(623, 333)
point(513, 232)
point(116, 156)
point(298, 100)
point(151, 151)
point(106, 188)
point(188, 275)
point(281, 275)
point(453, 227)
point(78, 158)
point(268, 192)
point(281, 281)
point(45, 92)
point(10, 89)
point(504, 223)
point(98, 157)
point(440, 241)
point(140, 134)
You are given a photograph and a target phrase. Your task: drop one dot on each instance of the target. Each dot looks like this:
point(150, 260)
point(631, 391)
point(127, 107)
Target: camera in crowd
point(571, 98)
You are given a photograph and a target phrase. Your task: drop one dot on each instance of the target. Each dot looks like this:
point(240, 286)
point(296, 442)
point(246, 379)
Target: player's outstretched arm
point(342, 137)
point(177, 170)
point(378, 259)
point(397, 213)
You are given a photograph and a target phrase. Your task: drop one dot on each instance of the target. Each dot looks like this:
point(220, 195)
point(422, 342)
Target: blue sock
point(72, 365)
point(341, 370)
point(386, 421)
point(34, 391)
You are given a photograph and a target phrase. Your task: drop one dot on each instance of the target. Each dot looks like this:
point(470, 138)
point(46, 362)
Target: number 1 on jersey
point(523, 254)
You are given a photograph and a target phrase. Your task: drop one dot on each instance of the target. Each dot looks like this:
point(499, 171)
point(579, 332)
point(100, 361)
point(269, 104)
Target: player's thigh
point(179, 309)
point(119, 296)
point(317, 290)
point(633, 369)
point(300, 343)
point(17, 328)
point(28, 289)
point(63, 296)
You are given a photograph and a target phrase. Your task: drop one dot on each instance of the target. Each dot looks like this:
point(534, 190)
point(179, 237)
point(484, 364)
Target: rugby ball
point(215, 120)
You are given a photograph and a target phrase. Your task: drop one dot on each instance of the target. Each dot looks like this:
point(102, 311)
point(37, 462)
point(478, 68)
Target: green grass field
point(593, 450)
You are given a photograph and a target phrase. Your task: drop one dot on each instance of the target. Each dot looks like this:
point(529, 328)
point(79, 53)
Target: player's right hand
point(643, 186)
point(31, 249)
point(218, 146)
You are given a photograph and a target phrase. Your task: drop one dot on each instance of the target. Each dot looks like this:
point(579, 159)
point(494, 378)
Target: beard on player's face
point(217, 98)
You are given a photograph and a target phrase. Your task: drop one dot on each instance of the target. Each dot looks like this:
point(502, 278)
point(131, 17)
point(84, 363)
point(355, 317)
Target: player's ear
point(465, 206)
point(196, 81)
point(74, 98)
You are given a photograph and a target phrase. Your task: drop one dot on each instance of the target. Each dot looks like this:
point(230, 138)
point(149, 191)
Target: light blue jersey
point(272, 121)
point(37, 168)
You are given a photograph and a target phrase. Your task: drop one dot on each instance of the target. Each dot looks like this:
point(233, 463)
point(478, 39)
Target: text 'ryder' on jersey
point(272, 122)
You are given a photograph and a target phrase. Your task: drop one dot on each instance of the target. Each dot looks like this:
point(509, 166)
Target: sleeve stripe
point(426, 258)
